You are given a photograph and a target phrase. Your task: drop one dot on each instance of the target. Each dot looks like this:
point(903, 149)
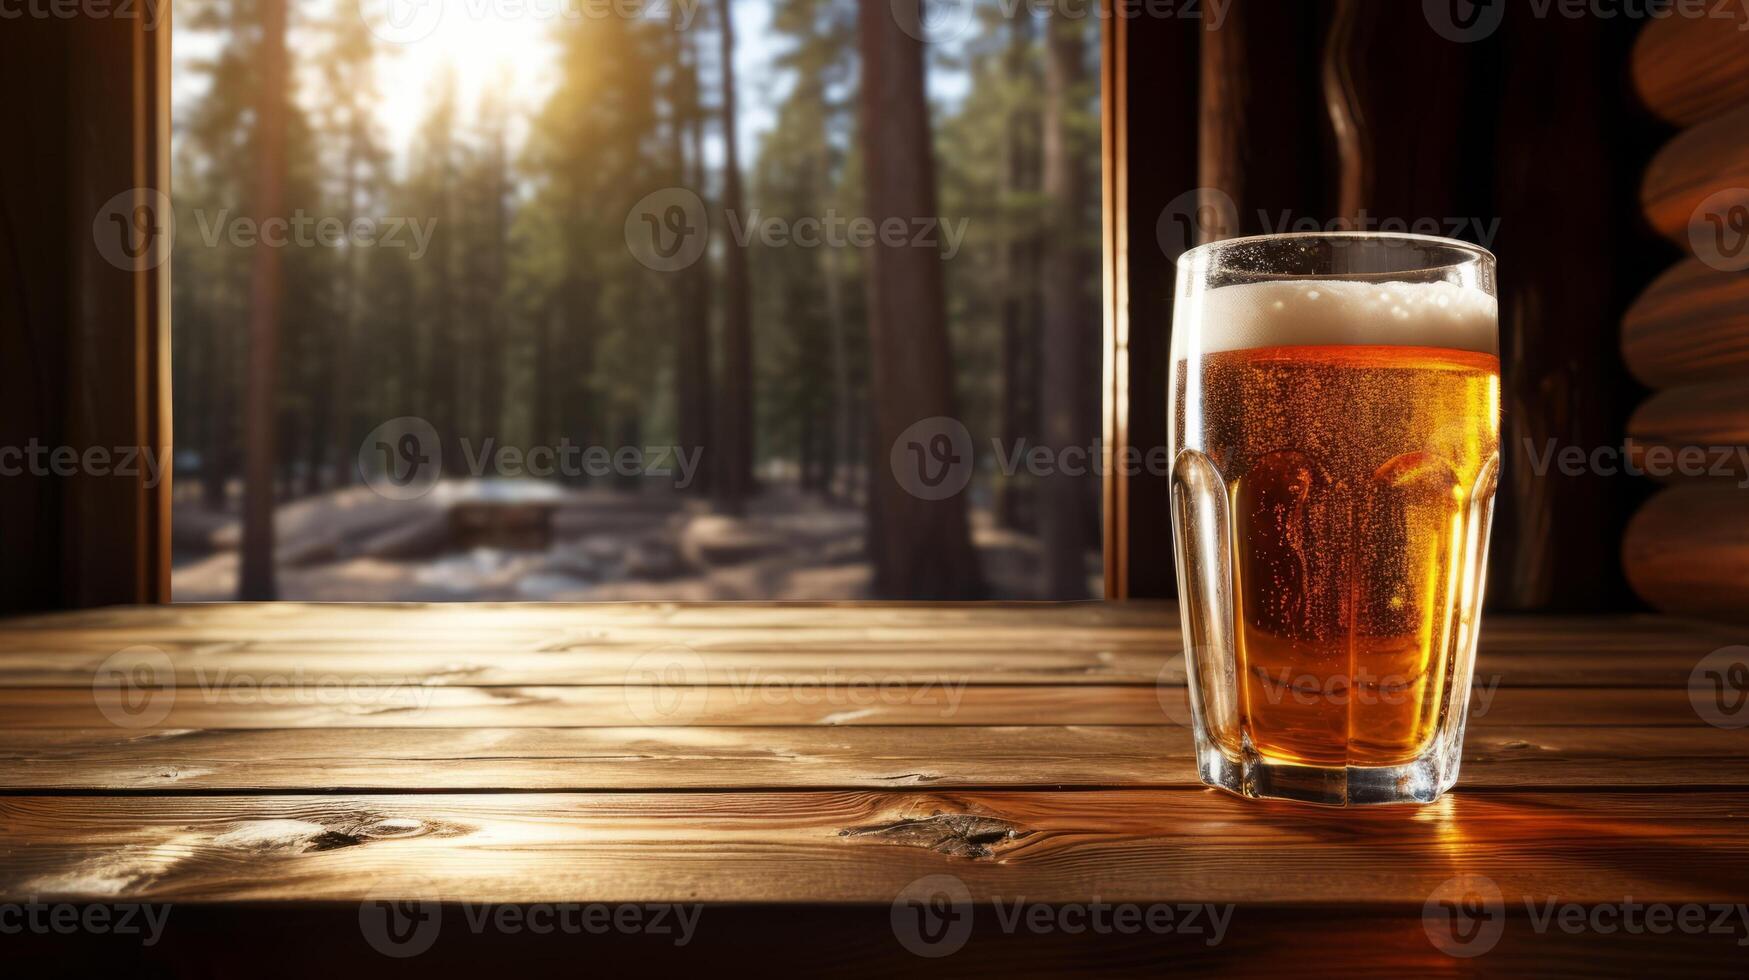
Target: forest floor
point(594, 545)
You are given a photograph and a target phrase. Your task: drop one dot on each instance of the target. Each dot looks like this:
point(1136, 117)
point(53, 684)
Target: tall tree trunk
point(1019, 280)
point(220, 464)
point(318, 371)
point(342, 452)
point(580, 420)
point(843, 436)
point(265, 287)
point(491, 392)
point(735, 418)
point(445, 394)
point(1062, 518)
point(544, 421)
point(920, 548)
point(842, 439)
point(692, 338)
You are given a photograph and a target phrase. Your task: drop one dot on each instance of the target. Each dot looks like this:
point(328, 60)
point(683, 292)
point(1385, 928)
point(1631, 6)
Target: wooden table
point(789, 773)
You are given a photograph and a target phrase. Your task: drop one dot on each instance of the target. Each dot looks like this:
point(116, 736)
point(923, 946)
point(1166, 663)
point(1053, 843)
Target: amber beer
point(1335, 460)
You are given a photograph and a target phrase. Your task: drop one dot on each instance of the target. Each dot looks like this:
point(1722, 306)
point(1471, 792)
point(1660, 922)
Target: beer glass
point(1335, 439)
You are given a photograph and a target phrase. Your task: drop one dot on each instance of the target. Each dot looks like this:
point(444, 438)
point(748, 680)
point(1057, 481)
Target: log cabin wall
point(1351, 114)
point(1687, 336)
point(84, 328)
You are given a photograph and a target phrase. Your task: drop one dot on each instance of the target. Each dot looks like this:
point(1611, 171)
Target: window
point(564, 303)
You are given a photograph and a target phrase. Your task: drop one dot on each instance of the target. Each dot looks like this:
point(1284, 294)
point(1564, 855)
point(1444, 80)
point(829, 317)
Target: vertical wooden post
point(1148, 106)
point(84, 329)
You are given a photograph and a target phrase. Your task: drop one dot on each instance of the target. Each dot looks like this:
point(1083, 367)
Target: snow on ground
point(354, 546)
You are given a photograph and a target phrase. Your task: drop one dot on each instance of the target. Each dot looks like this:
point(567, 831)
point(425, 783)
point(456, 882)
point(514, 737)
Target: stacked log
point(1687, 336)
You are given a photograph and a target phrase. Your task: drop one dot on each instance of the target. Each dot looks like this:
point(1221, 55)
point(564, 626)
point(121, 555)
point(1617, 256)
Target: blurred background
point(536, 237)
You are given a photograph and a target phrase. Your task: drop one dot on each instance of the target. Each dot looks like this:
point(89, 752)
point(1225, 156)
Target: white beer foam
point(1282, 313)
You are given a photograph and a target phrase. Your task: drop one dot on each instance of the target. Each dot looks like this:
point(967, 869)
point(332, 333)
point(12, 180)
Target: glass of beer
point(1335, 448)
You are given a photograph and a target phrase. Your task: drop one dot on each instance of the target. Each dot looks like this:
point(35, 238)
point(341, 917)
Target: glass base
point(1256, 777)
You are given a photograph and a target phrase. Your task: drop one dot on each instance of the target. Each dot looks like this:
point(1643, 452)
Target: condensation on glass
point(1335, 405)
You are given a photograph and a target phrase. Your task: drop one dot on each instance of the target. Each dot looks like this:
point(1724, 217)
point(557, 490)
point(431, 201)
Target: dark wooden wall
point(1687, 549)
point(83, 341)
point(1354, 110)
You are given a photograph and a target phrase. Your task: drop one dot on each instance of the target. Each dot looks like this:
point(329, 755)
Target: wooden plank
point(648, 758)
point(1687, 69)
point(390, 663)
point(1133, 845)
point(559, 707)
point(391, 646)
point(1662, 664)
point(775, 627)
point(604, 706)
point(1687, 551)
point(1708, 424)
point(514, 616)
point(1691, 325)
point(1698, 163)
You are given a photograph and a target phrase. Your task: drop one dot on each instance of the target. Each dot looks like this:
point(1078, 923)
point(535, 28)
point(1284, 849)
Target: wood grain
point(1687, 69)
point(516, 616)
point(915, 705)
point(1708, 158)
point(809, 763)
point(393, 646)
point(1702, 432)
point(1691, 325)
point(1125, 845)
point(870, 757)
point(1687, 552)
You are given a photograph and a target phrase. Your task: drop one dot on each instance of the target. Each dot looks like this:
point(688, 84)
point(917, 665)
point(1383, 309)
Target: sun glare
point(486, 53)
